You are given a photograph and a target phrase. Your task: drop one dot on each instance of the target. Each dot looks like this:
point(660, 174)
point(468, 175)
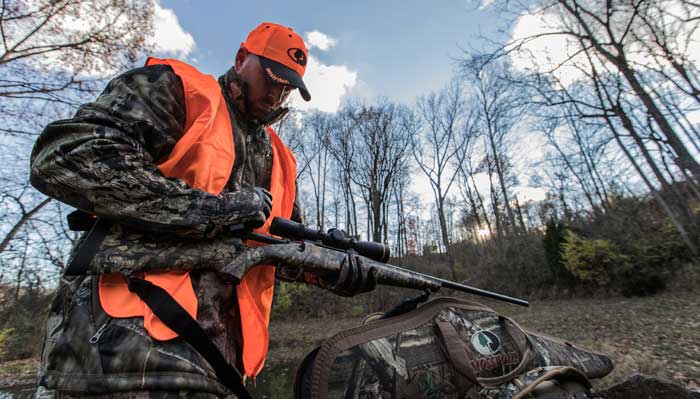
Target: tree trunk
point(482, 206)
point(502, 183)
point(520, 215)
point(376, 204)
point(684, 160)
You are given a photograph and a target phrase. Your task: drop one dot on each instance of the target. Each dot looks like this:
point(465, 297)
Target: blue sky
point(397, 49)
point(390, 48)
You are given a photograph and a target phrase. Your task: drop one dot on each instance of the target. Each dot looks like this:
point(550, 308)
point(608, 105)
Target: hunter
point(162, 166)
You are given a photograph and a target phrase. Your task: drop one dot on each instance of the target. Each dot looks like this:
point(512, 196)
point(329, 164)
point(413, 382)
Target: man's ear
point(241, 56)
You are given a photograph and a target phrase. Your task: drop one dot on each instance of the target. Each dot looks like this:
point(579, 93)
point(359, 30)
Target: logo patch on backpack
point(486, 342)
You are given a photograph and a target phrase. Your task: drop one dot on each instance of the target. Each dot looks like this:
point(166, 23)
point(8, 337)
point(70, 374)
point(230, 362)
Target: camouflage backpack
point(447, 348)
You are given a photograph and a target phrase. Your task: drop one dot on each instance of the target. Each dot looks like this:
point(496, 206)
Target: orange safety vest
point(203, 158)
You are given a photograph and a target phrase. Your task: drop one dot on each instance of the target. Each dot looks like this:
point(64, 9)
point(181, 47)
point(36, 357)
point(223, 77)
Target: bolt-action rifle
point(308, 250)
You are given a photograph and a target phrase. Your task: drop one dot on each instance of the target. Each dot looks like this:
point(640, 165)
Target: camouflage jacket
point(103, 161)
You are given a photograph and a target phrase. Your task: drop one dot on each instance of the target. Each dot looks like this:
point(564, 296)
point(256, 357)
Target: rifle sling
point(80, 264)
point(164, 307)
point(177, 319)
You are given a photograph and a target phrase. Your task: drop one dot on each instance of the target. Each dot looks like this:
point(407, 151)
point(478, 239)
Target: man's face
point(264, 95)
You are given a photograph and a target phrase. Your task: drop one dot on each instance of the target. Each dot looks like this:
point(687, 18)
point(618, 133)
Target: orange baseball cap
point(282, 54)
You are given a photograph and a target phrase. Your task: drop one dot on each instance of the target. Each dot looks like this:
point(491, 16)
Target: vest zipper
point(96, 338)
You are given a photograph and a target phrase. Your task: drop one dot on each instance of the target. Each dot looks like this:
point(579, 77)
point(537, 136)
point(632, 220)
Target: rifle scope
point(333, 238)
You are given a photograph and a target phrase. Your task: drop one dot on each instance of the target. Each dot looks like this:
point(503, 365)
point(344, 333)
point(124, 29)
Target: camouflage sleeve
point(103, 160)
point(127, 251)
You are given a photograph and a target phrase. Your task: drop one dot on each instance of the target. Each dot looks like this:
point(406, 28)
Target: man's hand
point(249, 207)
point(354, 278)
point(266, 207)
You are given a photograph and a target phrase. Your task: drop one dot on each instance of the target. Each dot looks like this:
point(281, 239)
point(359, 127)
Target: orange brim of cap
point(281, 74)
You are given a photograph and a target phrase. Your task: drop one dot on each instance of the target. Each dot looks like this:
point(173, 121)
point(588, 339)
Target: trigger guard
point(283, 273)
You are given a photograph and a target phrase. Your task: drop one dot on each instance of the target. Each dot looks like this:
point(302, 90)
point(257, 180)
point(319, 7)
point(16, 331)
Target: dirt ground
point(657, 335)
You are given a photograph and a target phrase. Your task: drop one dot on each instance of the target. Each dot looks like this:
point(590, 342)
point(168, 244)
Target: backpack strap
point(457, 353)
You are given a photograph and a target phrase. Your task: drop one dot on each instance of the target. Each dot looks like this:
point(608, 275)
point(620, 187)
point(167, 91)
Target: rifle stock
point(320, 259)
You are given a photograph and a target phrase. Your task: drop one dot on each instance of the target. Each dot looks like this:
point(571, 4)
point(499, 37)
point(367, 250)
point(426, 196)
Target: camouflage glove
point(354, 278)
point(248, 207)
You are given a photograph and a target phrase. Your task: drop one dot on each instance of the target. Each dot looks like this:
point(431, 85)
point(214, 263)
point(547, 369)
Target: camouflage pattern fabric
point(541, 386)
point(102, 161)
point(448, 348)
point(325, 264)
point(182, 394)
point(415, 363)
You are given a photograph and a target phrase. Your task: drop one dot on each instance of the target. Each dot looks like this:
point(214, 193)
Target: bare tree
point(501, 106)
point(436, 148)
point(449, 124)
point(51, 58)
point(34, 242)
point(342, 146)
point(54, 55)
point(381, 142)
point(627, 66)
point(579, 147)
point(606, 31)
point(314, 151)
point(647, 43)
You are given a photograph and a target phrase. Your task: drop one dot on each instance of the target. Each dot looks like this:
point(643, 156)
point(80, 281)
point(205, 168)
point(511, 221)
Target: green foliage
point(592, 261)
point(358, 310)
point(5, 337)
point(284, 295)
point(643, 232)
point(293, 300)
point(632, 248)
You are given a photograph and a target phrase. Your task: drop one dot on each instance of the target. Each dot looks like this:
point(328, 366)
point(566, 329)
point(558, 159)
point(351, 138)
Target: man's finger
point(341, 283)
point(372, 283)
point(258, 220)
point(360, 273)
point(267, 195)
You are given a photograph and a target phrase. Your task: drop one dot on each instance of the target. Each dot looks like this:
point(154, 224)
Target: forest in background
point(616, 120)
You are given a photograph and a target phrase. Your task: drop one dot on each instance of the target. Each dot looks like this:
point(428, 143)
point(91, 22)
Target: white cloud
point(527, 193)
point(327, 85)
point(168, 36)
point(319, 40)
point(547, 52)
point(486, 4)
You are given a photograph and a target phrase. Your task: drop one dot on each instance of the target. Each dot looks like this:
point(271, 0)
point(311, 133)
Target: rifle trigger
point(287, 273)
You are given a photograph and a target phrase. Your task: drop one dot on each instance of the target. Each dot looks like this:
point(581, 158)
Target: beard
point(235, 90)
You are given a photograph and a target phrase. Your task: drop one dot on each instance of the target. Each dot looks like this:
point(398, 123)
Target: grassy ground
point(657, 335)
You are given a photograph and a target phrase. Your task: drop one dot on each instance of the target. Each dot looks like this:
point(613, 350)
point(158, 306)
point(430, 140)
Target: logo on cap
point(275, 77)
point(297, 55)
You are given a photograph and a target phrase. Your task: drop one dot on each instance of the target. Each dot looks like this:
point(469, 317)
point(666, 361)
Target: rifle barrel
point(480, 292)
point(465, 288)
